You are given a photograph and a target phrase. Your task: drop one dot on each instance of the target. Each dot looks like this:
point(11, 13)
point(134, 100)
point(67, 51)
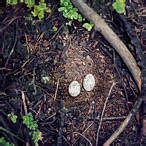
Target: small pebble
point(74, 89)
point(89, 82)
point(45, 43)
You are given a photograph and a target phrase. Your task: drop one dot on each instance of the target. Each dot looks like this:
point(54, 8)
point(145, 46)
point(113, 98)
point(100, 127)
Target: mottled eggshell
point(74, 89)
point(89, 82)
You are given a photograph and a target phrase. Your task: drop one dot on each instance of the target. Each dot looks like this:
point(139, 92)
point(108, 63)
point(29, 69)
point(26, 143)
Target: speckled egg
point(89, 82)
point(74, 88)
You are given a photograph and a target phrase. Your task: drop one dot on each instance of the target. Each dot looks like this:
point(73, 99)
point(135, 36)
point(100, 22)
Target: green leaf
point(48, 10)
point(61, 9)
point(69, 4)
point(15, 2)
point(29, 5)
point(75, 9)
point(115, 5)
point(40, 15)
point(87, 26)
point(75, 15)
point(80, 18)
point(120, 10)
point(119, 6)
point(43, 5)
point(36, 137)
point(71, 12)
point(13, 117)
point(4, 143)
point(27, 118)
point(54, 28)
point(39, 7)
point(62, 4)
point(65, 14)
point(69, 16)
point(120, 1)
point(69, 8)
point(32, 125)
point(66, 4)
point(34, 14)
point(91, 23)
point(62, 1)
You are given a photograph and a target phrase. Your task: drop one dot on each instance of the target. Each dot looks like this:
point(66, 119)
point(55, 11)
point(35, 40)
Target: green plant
point(55, 28)
point(3, 141)
point(12, 117)
point(88, 26)
point(40, 9)
point(27, 59)
point(119, 6)
point(32, 125)
point(72, 13)
point(36, 136)
point(69, 11)
point(30, 3)
point(12, 2)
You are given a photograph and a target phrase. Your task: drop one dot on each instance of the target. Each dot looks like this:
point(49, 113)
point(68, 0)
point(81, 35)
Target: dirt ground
point(39, 64)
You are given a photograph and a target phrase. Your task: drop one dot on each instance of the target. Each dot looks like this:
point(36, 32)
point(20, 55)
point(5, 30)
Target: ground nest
point(79, 62)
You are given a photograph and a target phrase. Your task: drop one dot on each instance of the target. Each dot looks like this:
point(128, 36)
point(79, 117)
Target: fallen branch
point(111, 37)
point(125, 122)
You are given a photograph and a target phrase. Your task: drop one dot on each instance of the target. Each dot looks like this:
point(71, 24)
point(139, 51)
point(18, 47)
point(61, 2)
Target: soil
point(38, 64)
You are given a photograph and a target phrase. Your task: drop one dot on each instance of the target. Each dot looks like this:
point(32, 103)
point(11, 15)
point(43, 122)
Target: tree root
point(112, 38)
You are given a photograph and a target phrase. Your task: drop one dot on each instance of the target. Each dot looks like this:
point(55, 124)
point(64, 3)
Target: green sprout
point(3, 142)
point(119, 6)
point(72, 13)
point(88, 26)
point(55, 28)
point(12, 2)
point(32, 126)
point(12, 117)
point(68, 10)
point(30, 3)
point(40, 9)
point(36, 137)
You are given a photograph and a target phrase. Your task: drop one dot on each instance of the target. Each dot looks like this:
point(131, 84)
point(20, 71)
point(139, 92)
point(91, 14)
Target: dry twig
point(25, 107)
point(100, 122)
point(83, 137)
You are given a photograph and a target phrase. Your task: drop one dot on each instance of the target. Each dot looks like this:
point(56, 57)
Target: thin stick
point(106, 118)
point(56, 90)
point(3, 129)
point(103, 112)
point(83, 137)
point(28, 50)
point(40, 108)
point(25, 107)
point(12, 50)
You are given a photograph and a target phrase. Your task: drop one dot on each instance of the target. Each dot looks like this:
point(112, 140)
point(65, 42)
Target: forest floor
point(38, 64)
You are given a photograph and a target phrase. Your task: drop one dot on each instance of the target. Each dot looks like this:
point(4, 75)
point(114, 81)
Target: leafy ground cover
point(40, 58)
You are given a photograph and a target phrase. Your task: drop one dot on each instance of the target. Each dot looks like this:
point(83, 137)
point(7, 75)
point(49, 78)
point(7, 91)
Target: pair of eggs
point(88, 84)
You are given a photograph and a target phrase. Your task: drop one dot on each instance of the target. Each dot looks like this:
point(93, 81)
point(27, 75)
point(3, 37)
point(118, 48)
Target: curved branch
point(112, 38)
point(125, 122)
